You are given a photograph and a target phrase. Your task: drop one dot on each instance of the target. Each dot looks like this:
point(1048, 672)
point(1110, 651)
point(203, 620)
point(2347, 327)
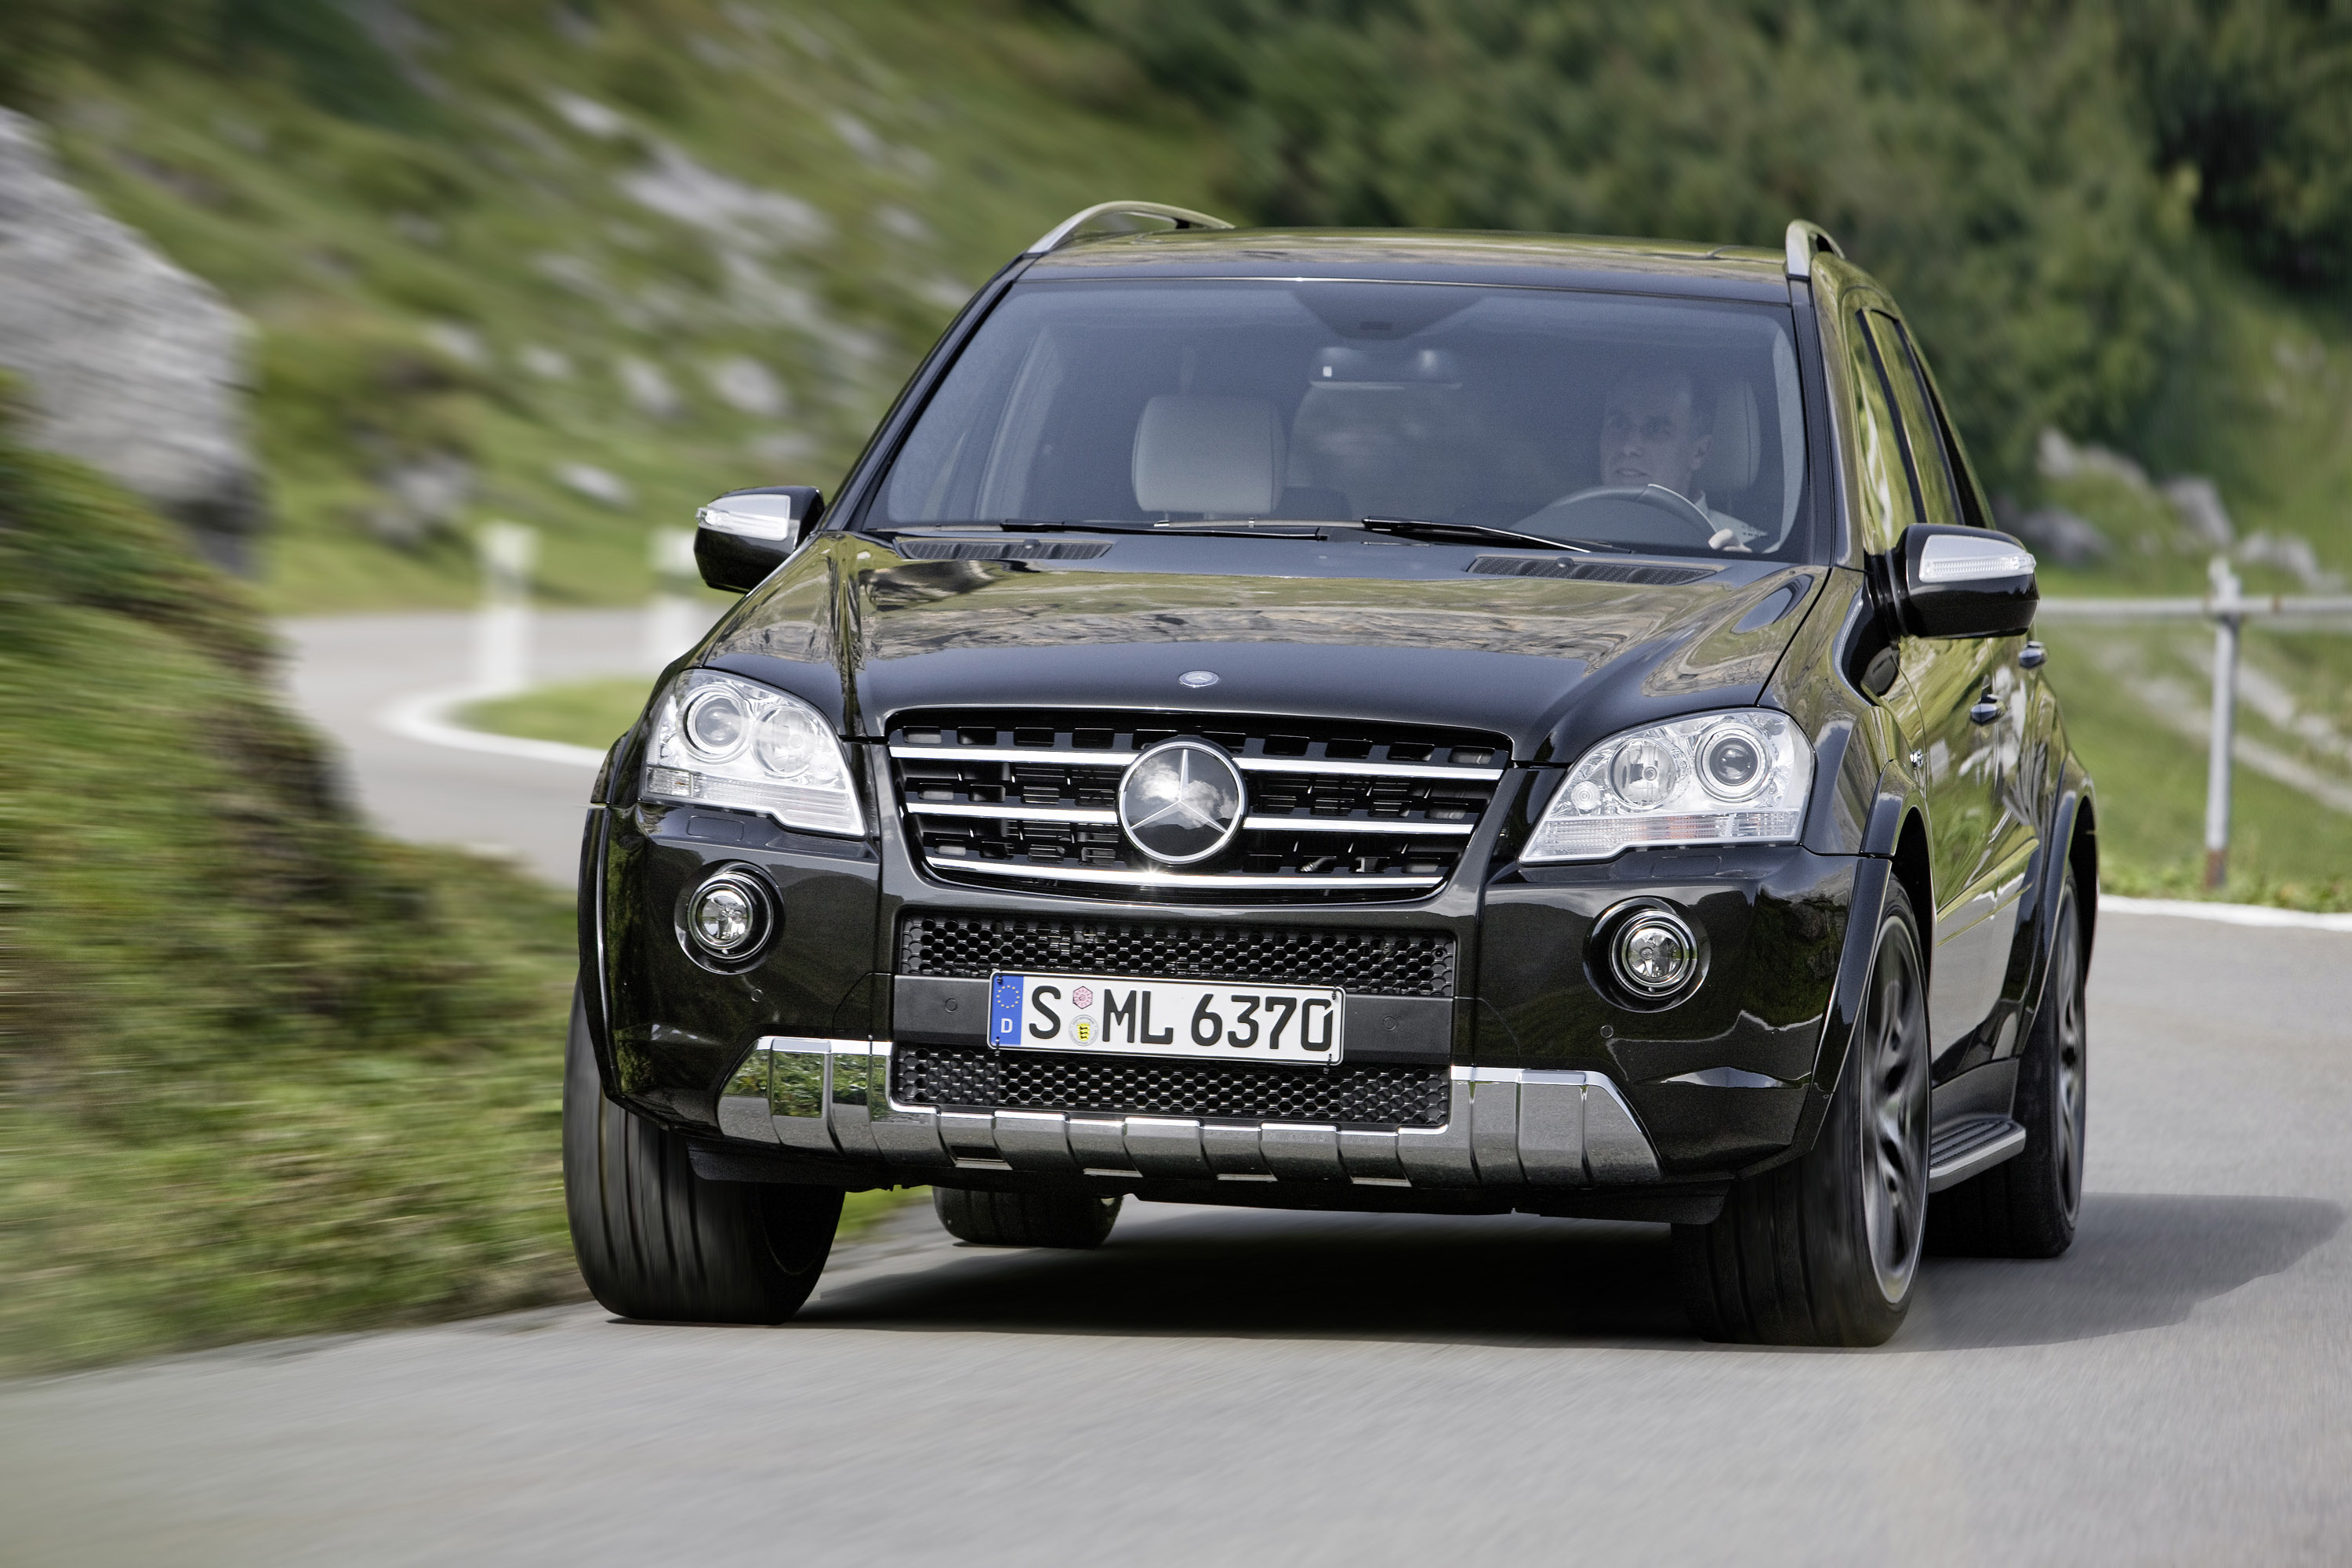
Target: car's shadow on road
point(2140, 1261)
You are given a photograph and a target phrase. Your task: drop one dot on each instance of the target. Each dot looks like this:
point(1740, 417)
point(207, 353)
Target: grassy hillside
point(258, 1072)
point(585, 267)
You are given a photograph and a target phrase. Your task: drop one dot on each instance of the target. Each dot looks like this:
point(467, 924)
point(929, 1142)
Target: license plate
point(1165, 1018)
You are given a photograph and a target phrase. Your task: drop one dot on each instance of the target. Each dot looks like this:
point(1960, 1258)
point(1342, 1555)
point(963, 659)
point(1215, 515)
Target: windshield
point(1656, 425)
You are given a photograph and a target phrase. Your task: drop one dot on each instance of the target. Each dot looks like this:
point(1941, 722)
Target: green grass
point(259, 1072)
point(593, 713)
point(178, 1187)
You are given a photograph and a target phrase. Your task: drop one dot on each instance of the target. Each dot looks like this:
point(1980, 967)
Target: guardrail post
point(670, 628)
point(2227, 619)
point(502, 626)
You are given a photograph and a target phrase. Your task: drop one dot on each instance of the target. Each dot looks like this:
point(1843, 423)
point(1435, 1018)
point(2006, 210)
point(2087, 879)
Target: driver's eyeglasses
point(1657, 427)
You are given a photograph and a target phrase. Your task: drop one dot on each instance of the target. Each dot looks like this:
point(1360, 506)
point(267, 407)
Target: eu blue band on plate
point(1005, 1011)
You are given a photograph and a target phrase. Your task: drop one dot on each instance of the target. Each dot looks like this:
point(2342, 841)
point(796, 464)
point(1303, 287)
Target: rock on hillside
point(133, 365)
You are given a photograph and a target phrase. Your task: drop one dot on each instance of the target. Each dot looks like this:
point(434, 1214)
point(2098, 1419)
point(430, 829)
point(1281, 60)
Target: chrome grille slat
point(1016, 810)
point(1367, 881)
point(1369, 770)
point(1336, 809)
point(1073, 758)
point(1254, 824)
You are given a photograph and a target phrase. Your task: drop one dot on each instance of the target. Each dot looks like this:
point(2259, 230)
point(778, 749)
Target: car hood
point(1550, 662)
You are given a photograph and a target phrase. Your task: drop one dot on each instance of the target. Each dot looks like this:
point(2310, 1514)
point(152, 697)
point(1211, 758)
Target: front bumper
point(1710, 1089)
point(1506, 1128)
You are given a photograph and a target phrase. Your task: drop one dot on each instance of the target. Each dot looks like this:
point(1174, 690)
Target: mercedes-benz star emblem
point(1197, 678)
point(1180, 801)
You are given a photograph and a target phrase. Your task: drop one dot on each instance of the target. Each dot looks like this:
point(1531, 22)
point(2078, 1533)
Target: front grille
point(1362, 1094)
point(1337, 811)
point(1363, 962)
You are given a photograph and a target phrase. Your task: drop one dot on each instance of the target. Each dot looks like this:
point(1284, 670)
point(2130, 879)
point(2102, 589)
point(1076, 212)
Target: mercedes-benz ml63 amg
point(1363, 721)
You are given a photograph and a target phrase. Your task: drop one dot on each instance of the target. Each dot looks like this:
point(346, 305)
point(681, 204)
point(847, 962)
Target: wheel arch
point(2083, 857)
point(1914, 867)
point(2073, 825)
point(1904, 864)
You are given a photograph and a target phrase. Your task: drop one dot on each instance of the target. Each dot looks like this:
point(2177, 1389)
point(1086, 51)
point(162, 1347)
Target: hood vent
point(1002, 548)
point(1588, 571)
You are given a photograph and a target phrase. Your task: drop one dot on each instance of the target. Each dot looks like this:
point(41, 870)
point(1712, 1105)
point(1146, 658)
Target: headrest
point(1208, 455)
point(1731, 454)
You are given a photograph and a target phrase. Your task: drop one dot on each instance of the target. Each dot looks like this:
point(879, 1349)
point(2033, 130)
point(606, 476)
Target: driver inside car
point(1654, 430)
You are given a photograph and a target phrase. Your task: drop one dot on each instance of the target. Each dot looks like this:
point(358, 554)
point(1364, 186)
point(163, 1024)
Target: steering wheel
point(1644, 507)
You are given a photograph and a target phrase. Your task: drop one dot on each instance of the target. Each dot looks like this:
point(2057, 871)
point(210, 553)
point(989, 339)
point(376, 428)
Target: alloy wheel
point(2071, 1043)
point(1894, 1121)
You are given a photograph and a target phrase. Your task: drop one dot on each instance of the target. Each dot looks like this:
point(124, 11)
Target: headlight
point(719, 740)
point(1719, 778)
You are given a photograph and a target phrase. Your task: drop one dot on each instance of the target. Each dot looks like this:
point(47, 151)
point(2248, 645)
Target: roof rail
point(1061, 232)
point(1805, 241)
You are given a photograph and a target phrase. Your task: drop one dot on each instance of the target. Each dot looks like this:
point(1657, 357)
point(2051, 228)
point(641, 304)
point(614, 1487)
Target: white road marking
point(2226, 914)
point(426, 717)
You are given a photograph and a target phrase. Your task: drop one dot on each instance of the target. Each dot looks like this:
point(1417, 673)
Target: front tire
point(2026, 1207)
point(1078, 1221)
point(1826, 1251)
point(655, 1240)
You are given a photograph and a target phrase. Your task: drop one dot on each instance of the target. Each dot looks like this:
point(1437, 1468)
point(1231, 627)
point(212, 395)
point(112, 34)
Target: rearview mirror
point(1963, 582)
point(744, 535)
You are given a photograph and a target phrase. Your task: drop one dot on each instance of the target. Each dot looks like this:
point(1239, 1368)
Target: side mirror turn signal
point(1963, 582)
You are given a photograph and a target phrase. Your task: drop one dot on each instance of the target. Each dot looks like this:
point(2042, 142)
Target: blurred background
point(327, 324)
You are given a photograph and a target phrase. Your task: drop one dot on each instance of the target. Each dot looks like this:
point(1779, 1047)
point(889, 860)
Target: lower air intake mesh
point(1374, 1094)
point(1366, 963)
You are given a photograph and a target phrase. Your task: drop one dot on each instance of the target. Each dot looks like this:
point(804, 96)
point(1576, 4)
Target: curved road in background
point(347, 674)
point(1217, 1386)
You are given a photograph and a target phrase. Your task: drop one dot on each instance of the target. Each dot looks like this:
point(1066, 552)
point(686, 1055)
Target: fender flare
point(590, 914)
point(2075, 792)
point(1898, 797)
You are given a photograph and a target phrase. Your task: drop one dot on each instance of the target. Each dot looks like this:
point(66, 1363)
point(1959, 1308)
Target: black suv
point(1446, 723)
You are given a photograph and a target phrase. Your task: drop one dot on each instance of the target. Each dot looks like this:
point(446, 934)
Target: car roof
point(1428, 256)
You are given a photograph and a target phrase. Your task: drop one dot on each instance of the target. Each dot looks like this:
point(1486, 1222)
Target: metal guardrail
point(2285, 606)
point(2229, 609)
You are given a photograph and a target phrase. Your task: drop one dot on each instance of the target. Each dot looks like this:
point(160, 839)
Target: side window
point(1889, 504)
point(1973, 511)
point(1939, 502)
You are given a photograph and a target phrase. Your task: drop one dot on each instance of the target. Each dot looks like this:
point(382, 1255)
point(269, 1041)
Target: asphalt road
point(1229, 1386)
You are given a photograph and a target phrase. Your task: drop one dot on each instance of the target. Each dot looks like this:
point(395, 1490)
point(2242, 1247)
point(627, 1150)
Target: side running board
point(1970, 1145)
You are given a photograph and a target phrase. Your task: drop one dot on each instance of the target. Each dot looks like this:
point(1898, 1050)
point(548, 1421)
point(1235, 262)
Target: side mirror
point(1963, 582)
point(744, 535)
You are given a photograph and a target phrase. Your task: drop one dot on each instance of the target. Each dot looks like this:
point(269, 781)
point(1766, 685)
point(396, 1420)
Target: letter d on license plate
point(1128, 1018)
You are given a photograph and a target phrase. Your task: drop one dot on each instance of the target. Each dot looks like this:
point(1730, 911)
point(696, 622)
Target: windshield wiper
point(1264, 526)
point(1237, 528)
point(1424, 528)
point(1011, 525)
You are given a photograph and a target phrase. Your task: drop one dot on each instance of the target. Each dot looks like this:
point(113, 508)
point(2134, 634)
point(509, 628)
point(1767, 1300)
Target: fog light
point(728, 919)
point(1653, 954)
point(723, 918)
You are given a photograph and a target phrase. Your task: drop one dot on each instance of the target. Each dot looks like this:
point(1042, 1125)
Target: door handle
point(2033, 654)
point(1985, 711)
